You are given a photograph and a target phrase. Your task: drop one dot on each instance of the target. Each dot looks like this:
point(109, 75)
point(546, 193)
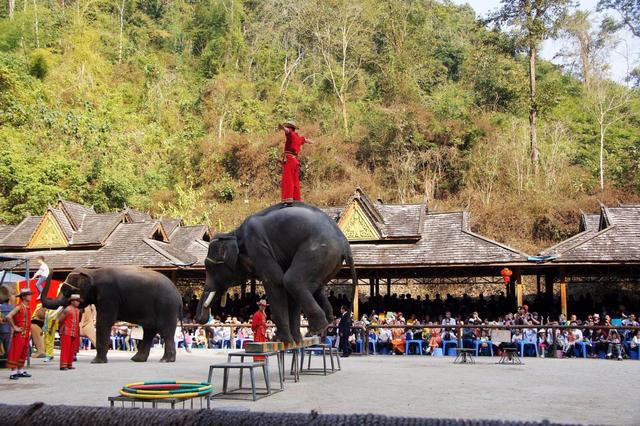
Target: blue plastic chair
point(616, 322)
point(373, 340)
point(359, 346)
point(449, 342)
point(581, 347)
point(408, 343)
point(479, 342)
point(437, 352)
point(226, 343)
point(524, 344)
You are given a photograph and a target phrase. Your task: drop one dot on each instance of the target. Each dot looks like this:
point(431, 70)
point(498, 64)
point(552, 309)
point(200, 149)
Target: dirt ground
point(562, 390)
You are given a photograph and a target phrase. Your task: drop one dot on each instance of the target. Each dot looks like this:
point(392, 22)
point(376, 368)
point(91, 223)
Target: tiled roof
point(589, 226)
point(191, 239)
point(136, 216)
point(445, 240)
point(616, 240)
point(170, 224)
point(5, 230)
point(75, 212)
point(22, 233)
point(96, 227)
point(63, 221)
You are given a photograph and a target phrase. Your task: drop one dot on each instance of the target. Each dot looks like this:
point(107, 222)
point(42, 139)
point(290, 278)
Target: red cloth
point(19, 347)
point(69, 336)
point(67, 350)
point(259, 328)
point(290, 185)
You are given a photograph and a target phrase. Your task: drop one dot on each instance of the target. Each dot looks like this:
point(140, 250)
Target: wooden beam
point(563, 298)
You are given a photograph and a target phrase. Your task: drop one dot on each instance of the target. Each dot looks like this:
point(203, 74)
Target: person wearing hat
point(259, 325)
point(20, 320)
point(69, 332)
point(290, 184)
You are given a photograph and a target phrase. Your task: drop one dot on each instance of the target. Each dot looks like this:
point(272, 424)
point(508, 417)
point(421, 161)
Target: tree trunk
point(345, 120)
point(121, 29)
point(533, 107)
point(12, 6)
point(35, 12)
point(602, 131)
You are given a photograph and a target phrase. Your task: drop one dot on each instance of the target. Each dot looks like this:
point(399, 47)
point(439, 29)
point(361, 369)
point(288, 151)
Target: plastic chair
point(373, 340)
point(407, 346)
point(581, 346)
point(449, 342)
point(437, 352)
point(526, 343)
point(226, 343)
point(479, 342)
point(359, 346)
point(616, 322)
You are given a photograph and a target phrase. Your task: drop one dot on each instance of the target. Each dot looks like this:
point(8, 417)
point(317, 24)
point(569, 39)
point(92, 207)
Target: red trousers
point(290, 185)
point(18, 350)
point(68, 345)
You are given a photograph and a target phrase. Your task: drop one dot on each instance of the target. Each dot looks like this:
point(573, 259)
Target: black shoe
point(24, 374)
point(14, 376)
point(71, 368)
point(63, 368)
point(286, 204)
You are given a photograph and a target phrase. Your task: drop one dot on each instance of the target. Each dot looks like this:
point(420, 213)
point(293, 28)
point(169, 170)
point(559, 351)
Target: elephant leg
point(294, 320)
point(280, 312)
point(323, 301)
point(103, 339)
point(168, 332)
point(298, 287)
point(143, 349)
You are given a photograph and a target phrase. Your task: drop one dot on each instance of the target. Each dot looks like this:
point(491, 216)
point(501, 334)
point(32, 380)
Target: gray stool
point(226, 366)
point(325, 349)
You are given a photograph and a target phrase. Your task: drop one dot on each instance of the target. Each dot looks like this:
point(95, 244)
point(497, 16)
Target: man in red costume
point(290, 185)
point(259, 325)
point(69, 332)
point(20, 320)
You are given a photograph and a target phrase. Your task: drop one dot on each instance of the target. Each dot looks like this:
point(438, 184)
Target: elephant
point(294, 250)
point(129, 294)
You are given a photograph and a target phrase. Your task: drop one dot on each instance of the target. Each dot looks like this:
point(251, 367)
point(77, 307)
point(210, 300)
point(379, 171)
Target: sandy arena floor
point(562, 390)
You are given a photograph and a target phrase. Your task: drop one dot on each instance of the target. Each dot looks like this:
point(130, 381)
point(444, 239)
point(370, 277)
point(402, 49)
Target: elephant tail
point(184, 336)
point(348, 257)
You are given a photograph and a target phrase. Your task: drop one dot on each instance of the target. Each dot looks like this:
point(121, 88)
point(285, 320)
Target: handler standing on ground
point(69, 332)
point(20, 320)
point(290, 185)
point(259, 325)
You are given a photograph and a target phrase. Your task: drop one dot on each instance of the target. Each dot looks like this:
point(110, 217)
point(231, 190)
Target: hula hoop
point(159, 389)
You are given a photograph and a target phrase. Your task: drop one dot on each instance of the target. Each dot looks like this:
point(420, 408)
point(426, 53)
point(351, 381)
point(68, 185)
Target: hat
point(262, 302)
point(25, 292)
point(74, 297)
point(290, 123)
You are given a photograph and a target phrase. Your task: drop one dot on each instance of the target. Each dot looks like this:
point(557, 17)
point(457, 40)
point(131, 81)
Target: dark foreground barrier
point(40, 414)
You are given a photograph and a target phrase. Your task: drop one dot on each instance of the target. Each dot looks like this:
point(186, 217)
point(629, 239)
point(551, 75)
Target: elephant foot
point(284, 338)
point(168, 359)
point(318, 327)
point(139, 357)
point(99, 360)
point(297, 337)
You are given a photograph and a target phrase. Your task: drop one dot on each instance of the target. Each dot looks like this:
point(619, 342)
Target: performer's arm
point(9, 318)
point(63, 314)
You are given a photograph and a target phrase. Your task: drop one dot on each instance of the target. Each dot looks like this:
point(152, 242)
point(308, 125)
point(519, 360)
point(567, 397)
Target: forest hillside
point(172, 107)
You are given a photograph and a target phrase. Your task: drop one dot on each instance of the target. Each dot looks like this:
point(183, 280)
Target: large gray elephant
point(129, 294)
point(294, 251)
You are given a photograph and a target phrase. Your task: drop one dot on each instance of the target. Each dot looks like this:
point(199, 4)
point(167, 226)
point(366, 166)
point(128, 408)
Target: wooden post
point(372, 287)
point(538, 287)
point(563, 298)
point(243, 290)
point(388, 286)
point(548, 287)
point(517, 286)
point(253, 287)
point(519, 289)
point(355, 304)
point(377, 286)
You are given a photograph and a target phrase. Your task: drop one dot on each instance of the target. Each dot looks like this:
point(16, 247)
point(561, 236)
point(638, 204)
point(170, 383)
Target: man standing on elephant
point(290, 185)
point(20, 320)
point(69, 332)
point(344, 330)
point(259, 325)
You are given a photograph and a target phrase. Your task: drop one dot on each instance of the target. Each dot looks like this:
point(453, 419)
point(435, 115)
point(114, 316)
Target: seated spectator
point(635, 342)
point(201, 338)
point(544, 343)
point(398, 340)
point(435, 341)
point(615, 345)
point(485, 341)
point(384, 339)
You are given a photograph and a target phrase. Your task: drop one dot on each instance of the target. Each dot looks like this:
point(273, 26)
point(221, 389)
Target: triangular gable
point(356, 225)
point(159, 234)
point(48, 234)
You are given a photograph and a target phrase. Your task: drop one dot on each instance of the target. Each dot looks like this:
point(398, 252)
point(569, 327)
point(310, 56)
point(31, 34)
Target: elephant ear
point(224, 249)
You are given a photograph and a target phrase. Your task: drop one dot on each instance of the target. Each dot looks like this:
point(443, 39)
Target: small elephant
point(129, 294)
point(294, 251)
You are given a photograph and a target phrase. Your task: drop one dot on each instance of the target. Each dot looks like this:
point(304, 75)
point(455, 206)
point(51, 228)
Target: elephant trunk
point(202, 313)
point(61, 300)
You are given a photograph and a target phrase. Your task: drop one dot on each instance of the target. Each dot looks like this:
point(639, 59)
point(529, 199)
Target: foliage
point(412, 100)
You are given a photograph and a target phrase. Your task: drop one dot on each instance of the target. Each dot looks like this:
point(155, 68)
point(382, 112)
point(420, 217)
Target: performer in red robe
point(20, 320)
point(69, 332)
point(290, 185)
point(259, 325)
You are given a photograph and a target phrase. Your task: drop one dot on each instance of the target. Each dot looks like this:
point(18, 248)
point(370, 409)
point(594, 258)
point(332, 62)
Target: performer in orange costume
point(20, 320)
point(259, 325)
point(69, 332)
point(290, 185)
